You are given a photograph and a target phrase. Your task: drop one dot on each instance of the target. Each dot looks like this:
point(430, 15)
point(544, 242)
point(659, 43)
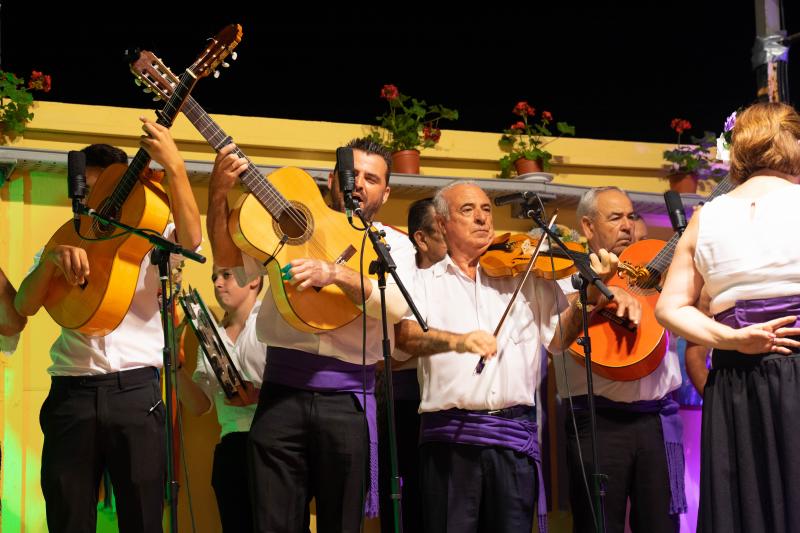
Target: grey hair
point(440, 202)
point(587, 207)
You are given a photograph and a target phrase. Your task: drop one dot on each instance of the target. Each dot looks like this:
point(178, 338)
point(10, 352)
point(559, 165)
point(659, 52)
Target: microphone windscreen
point(76, 163)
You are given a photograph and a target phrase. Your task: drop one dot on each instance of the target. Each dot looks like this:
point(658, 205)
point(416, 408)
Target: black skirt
point(750, 462)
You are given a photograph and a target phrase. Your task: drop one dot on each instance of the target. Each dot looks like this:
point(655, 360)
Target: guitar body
point(99, 306)
point(618, 352)
point(310, 229)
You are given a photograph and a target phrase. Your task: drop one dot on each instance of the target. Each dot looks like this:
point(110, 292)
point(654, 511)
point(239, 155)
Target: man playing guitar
point(309, 437)
point(631, 442)
point(104, 409)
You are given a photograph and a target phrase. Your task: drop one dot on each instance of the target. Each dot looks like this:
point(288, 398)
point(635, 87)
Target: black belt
point(515, 411)
point(125, 378)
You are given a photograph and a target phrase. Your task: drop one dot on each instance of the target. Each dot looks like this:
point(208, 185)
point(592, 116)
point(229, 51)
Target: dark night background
point(616, 70)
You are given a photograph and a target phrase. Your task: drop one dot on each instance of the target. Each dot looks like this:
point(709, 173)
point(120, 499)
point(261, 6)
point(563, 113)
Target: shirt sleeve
point(203, 376)
point(550, 302)
point(251, 269)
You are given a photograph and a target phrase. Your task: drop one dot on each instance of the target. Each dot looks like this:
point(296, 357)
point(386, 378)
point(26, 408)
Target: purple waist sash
point(307, 371)
point(748, 312)
point(405, 385)
point(458, 426)
point(672, 429)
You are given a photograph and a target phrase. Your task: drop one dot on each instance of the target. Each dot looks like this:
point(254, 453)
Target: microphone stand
point(160, 257)
point(381, 266)
point(586, 276)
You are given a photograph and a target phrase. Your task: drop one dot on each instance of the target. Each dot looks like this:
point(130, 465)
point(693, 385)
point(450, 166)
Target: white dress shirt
point(249, 356)
point(449, 300)
point(344, 343)
point(571, 375)
point(137, 342)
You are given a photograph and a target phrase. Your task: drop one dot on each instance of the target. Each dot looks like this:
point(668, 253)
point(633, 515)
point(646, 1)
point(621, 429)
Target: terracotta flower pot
point(683, 183)
point(405, 162)
point(527, 166)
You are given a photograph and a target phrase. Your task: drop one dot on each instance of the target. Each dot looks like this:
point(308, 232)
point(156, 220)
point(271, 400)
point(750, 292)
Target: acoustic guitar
point(620, 350)
point(284, 217)
point(130, 195)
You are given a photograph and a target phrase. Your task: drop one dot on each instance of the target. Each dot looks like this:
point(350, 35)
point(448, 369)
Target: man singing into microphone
point(309, 438)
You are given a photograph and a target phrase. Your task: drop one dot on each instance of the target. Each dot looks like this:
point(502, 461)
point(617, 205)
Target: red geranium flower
point(389, 92)
point(547, 116)
point(680, 125)
point(432, 134)
point(519, 126)
point(523, 108)
point(39, 81)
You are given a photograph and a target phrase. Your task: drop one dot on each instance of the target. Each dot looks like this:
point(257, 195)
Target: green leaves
point(409, 124)
point(15, 102)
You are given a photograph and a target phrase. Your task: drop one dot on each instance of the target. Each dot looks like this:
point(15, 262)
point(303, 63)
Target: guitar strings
point(256, 182)
point(261, 188)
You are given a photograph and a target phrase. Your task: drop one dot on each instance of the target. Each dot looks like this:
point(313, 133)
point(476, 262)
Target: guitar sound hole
point(295, 224)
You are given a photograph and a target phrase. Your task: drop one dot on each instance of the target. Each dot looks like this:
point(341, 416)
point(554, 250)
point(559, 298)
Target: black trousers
point(632, 455)
point(113, 421)
point(229, 479)
point(469, 489)
point(304, 445)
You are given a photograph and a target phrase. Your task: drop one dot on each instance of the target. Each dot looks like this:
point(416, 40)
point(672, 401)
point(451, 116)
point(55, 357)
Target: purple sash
point(306, 371)
point(748, 312)
point(672, 429)
point(466, 427)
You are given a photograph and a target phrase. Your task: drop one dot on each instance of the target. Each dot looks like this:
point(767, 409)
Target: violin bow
point(534, 255)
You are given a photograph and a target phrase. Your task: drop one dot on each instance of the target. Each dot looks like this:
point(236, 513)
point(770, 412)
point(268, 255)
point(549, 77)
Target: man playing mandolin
point(104, 409)
point(631, 442)
point(479, 453)
point(309, 438)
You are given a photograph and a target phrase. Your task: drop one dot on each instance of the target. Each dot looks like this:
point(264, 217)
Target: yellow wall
point(34, 204)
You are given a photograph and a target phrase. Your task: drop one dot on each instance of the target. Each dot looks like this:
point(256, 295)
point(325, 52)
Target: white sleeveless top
point(749, 249)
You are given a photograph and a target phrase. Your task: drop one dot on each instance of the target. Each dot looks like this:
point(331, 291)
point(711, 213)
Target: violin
point(509, 254)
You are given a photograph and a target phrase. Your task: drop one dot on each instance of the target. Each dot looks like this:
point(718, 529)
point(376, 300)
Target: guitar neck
point(141, 160)
point(660, 263)
point(272, 200)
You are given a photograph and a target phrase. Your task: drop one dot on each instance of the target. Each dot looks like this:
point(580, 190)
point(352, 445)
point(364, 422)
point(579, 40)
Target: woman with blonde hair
point(741, 247)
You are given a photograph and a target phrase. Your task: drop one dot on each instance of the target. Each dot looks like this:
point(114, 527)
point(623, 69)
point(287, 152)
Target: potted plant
point(407, 126)
point(525, 141)
point(16, 100)
point(692, 162)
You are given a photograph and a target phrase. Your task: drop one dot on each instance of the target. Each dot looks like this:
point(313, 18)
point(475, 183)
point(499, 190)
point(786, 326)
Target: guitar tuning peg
point(234, 56)
point(225, 65)
point(137, 81)
point(216, 74)
point(156, 98)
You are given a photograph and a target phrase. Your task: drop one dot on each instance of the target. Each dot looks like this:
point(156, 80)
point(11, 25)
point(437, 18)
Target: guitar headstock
point(218, 49)
point(158, 79)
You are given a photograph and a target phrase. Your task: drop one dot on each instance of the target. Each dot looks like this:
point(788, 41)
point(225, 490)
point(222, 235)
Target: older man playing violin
point(479, 454)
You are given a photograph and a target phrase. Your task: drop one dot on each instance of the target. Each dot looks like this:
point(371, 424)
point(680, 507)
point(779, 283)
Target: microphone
point(347, 178)
point(76, 184)
point(517, 197)
point(677, 216)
